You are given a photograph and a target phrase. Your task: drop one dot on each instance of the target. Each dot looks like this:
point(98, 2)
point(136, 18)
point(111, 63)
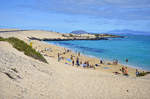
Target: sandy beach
point(33, 79)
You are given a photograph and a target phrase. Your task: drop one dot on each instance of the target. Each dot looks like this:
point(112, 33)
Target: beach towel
point(66, 63)
point(69, 60)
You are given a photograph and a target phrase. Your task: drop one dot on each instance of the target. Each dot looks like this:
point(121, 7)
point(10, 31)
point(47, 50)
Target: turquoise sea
point(136, 48)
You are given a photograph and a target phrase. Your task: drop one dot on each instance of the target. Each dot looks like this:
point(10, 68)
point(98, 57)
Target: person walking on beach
point(126, 60)
point(71, 57)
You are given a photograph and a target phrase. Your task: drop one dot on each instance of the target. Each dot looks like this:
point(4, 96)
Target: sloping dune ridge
point(22, 77)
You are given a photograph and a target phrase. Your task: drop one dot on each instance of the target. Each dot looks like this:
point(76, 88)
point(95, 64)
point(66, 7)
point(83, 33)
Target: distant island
point(79, 32)
point(115, 32)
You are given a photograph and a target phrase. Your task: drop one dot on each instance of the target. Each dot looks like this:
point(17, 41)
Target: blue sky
point(69, 15)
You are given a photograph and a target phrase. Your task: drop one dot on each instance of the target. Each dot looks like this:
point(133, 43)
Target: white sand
point(37, 80)
point(30, 33)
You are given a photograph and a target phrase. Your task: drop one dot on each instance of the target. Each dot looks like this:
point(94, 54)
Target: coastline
point(106, 67)
point(26, 35)
point(92, 56)
point(23, 77)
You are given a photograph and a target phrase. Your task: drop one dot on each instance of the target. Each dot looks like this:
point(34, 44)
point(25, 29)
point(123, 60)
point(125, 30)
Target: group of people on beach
point(76, 61)
point(115, 61)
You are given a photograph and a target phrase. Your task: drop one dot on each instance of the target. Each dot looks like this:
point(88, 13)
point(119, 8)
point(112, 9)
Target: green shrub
point(2, 39)
point(143, 73)
point(71, 35)
point(64, 35)
point(18, 44)
point(24, 47)
point(96, 35)
point(87, 37)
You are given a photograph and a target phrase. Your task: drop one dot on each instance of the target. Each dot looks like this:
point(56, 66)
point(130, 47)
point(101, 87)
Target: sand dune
point(24, 34)
point(31, 79)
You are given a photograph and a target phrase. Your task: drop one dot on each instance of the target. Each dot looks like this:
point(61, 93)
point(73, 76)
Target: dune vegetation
point(24, 47)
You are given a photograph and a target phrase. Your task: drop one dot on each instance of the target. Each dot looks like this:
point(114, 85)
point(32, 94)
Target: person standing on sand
point(137, 73)
point(80, 62)
point(58, 57)
point(72, 62)
point(101, 62)
point(116, 62)
point(78, 53)
point(77, 62)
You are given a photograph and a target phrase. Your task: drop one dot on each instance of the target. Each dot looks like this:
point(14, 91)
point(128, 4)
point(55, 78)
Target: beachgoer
point(80, 62)
point(137, 73)
point(116, 61)
point(126, 72)
point(58, 57)
point(116, 73)
point(64, 53)
point(72, 62)
point(92, 66)
point(68, 50)
point(77, 62)
point(123, 69)
point(101, 62)
point(84, 64)
point(96, 65)
point(126, 60)
point(78, 53)
point(87, 63)
point(71, 57)
point(31, 44)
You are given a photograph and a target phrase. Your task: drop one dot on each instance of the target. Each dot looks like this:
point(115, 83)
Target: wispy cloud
point(111, 9)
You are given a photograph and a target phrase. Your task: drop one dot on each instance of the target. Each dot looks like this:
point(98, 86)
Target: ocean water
point(135, 48)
